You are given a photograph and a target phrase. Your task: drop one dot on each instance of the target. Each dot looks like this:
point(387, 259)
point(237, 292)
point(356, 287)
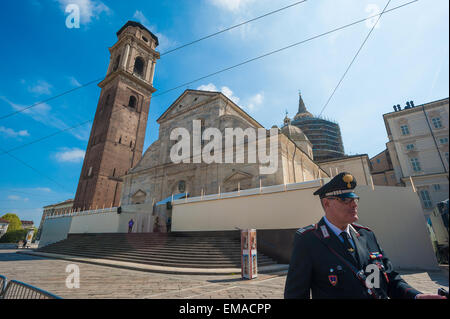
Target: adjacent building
point(417, 153)
point(3, 226)
point(27, 224)
point(60, 208)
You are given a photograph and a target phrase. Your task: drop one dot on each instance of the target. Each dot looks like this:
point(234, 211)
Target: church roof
point(137, 24)
point(213, 94)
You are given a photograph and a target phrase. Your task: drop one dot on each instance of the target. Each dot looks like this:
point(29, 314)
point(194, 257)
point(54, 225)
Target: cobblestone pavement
point(108, 282)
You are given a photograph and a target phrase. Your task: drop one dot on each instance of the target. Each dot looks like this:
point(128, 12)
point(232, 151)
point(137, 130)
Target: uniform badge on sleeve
point(333, 279)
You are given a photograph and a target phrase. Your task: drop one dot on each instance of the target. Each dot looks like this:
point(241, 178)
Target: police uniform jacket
point(321, 266)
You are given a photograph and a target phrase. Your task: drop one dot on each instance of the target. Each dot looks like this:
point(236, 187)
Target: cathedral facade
point(156, 176)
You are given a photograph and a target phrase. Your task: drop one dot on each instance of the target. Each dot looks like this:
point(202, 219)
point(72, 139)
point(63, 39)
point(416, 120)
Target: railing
point(15, 289)
point(3, 282)
point(83, 212)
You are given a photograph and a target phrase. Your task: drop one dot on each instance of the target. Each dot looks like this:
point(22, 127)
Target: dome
point(302, 115)
point(294, 133)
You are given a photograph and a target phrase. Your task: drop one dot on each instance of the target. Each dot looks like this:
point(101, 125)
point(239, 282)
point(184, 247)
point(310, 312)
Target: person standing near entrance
point(337, 258)
point(130, 225)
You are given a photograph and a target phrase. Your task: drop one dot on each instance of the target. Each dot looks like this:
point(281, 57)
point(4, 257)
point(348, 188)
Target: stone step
point(164, 262)
point(153, 260)
point(169, 256)
point(150, 245)
point(181, 250)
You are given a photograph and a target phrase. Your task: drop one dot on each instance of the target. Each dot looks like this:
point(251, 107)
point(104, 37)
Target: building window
point(139, 66)
point(405, 129)
point(378, 160)
point(132, 102)
point(436, 122)
point(116, 63)
point(437, 187)
point(409, 147)
point(443, 140)
point(426, 199)
point(415, 164)
point(181, 186)
point(446, 156)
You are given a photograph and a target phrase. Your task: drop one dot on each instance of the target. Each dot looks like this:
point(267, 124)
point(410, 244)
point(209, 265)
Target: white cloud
point(18, 198)
point(225, 90)
point(255, 101)
point(11, 133)
point(373, 9)
point(73, 81)
point(208, 87)
point(164, 42)
point(41, 88)
point(73, 155)
point(138, 15)
point(88, 8)
point(42, 113)
point(231, 5)
point(251, 104)
point(43, 189)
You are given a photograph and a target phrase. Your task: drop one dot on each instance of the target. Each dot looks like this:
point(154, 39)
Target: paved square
point(109, 282)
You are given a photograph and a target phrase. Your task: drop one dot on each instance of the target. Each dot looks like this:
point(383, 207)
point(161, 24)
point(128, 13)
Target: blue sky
point(406, 58)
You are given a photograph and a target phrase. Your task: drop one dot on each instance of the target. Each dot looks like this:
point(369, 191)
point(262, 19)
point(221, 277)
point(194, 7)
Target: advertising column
point(249, 262)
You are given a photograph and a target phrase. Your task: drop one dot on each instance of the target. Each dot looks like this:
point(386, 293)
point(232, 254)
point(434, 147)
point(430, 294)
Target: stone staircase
point(175, 249)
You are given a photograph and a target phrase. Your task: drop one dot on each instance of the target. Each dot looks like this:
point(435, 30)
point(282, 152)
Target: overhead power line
point(354, 58)
point(281, 49)
point(50, 98)
point(34, 169)
point(167, 52)
point(233, 27)
point(227, 69)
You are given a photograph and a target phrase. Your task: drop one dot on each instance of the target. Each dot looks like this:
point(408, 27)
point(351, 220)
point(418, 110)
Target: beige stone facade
point(382, 170)
point(156, 177)
point(357, 165)
point(419, 151)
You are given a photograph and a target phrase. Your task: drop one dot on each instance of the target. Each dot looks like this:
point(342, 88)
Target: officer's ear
point(325, 203)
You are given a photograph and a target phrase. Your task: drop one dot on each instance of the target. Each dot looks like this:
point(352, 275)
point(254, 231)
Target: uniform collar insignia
point(333, 279)
point(324, 230)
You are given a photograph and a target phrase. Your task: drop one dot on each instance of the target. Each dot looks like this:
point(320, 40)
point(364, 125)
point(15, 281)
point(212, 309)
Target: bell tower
point(117, 134)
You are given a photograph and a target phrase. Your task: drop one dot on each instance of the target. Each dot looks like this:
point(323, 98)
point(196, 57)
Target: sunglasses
point(345, 200)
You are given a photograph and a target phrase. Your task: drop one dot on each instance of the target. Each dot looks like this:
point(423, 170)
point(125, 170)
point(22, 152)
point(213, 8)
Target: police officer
point(337, 258)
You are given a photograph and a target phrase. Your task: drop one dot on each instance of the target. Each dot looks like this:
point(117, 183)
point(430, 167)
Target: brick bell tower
point(117, 134)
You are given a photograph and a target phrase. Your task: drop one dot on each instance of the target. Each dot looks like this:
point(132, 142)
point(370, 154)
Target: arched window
point(132, 101)
point(139, 66)
point(181, 186)
point(116, 63)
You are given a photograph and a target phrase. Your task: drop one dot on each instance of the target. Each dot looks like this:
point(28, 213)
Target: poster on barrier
point(249, 266)
point(29, 237)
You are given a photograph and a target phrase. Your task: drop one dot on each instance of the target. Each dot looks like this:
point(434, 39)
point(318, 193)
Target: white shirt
point(338, 231)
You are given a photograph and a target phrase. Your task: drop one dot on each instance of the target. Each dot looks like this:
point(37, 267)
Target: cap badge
point(348, 179)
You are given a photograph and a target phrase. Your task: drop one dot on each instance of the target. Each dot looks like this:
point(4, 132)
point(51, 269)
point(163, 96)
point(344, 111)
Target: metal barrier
point(20, 290)
point(3, 282)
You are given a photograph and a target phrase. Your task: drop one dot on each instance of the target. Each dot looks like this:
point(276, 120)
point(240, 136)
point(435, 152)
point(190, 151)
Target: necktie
point(348, 246)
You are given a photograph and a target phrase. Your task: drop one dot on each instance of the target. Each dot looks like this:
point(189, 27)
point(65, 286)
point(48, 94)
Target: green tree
point(14, 222)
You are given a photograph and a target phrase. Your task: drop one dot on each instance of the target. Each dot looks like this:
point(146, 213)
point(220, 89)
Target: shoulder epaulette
point(361, 227)
point(306, 229)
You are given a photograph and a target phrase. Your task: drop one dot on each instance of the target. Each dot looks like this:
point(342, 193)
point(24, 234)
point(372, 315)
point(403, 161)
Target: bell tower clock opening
point(117, 135)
